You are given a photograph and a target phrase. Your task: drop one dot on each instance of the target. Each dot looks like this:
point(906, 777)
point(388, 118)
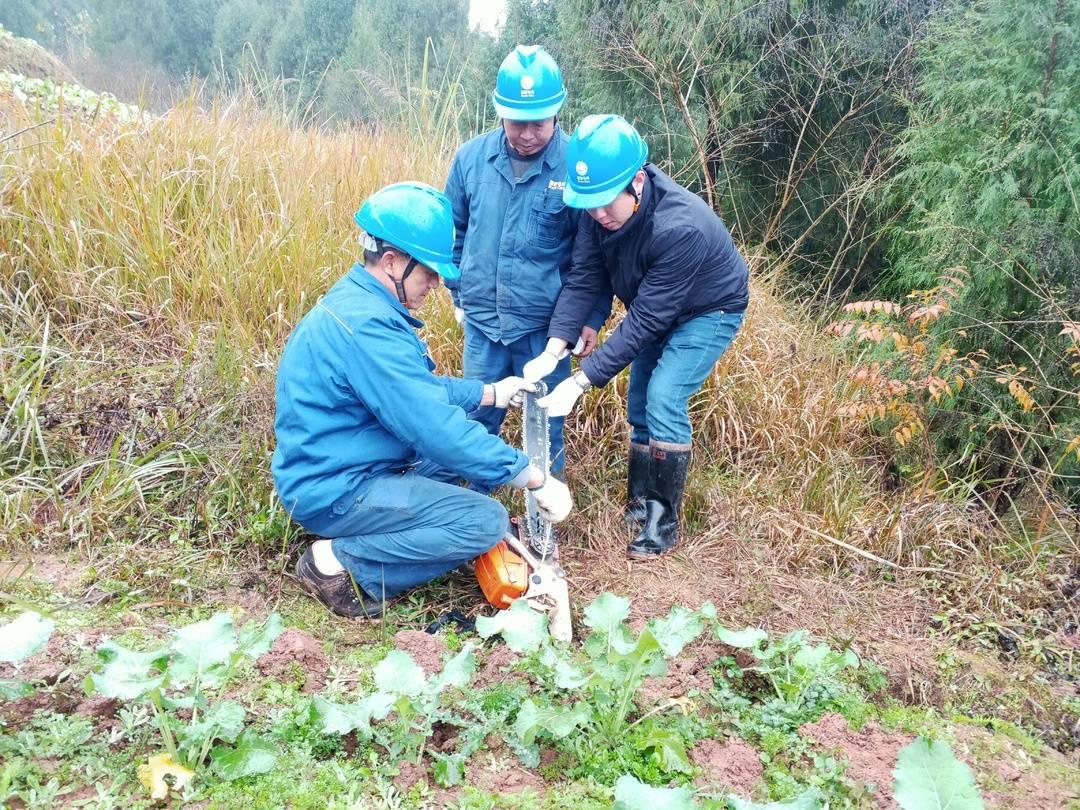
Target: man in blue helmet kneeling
point(369, 438)
point(515, 233)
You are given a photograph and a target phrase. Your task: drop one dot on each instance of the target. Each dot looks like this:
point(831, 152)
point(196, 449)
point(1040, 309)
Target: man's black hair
point(373, 256)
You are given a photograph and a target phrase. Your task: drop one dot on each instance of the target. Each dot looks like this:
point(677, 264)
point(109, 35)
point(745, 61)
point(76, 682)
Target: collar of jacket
point(359, 275)
point(644, 212)
point(497, 148)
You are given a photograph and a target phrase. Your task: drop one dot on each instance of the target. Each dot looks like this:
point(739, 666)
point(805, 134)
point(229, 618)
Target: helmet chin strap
point(376, 245)
point(399, 283)
point(634, 193)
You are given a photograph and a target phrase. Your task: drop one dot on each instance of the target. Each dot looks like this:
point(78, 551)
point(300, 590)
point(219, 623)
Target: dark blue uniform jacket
point(672, 261)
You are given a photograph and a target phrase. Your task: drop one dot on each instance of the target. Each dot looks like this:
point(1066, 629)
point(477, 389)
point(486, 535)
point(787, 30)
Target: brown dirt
point(444, 797)
point(296, 655)
point(496, 666)
point(409, 773)
point(732, 765)
point(18, 712)
point(46, 666)
point(505, 776)
point(253, 603)
point(425, 649)
point(64, 576)
point(54, 665)
point(444, 737)
point(1009, 776)
point(870, 752)
point(888, 621)
point(687, 673)
point(98, 707)
point(350, 744)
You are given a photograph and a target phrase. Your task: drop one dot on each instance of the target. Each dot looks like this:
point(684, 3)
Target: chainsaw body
point(523, 565)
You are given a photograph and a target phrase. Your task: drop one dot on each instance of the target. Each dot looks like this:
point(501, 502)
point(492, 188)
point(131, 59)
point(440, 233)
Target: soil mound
point(97, 707)
point(296, 656)
point(732, 765)
point(507, 780)
point(409, 773)
point(496, 666)
point(687, 673)
point(24, 56)
point(425, 649)
point(870, 752)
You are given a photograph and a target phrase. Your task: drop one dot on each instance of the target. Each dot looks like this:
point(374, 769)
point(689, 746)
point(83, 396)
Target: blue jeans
point(486, 360)
point(666, 374)
point(399, 531)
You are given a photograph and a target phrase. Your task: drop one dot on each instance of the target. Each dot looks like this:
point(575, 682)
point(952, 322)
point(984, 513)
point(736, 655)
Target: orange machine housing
point(502, 574)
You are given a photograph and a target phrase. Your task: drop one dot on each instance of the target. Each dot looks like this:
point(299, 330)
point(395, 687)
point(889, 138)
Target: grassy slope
point(153, 276)
point(27, 58)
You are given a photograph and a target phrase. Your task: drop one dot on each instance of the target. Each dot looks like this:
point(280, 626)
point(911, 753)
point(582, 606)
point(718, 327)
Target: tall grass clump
point(152, 272)
point(202, 216)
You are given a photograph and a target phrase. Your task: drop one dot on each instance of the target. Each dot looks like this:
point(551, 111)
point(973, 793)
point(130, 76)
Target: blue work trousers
point(404, 530)
point(666, 374)
point(490, 361)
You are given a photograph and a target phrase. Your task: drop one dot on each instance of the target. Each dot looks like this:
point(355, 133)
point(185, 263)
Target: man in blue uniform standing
point(369, 437)
point(515, 233)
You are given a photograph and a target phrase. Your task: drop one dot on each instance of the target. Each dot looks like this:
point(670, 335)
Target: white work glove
point(510, 392)
point(459, 316)
point(545, 362)
point(561, 401)
point(553, 499)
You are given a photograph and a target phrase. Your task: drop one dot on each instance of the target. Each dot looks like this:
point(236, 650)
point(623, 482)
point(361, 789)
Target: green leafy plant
point(804, 677)
point(23, 636)
point(180, 677)
point(63, 96)
point(522, 628)
point(630, 794)
point(928, 776)
point(810, 800)
point(401, 715)
point(596, 691)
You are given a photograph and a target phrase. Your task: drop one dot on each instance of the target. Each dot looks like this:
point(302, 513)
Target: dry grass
point(154, 272)
point(218, 217)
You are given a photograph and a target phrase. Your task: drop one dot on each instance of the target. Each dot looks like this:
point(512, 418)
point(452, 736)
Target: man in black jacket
point(672, 262)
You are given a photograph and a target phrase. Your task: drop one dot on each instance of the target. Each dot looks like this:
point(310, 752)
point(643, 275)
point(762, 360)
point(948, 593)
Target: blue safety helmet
point(529, 86)
point(604, 154)
point(414, 218)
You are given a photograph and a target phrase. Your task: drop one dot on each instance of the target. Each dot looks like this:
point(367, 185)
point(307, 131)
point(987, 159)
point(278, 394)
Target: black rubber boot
point(667, 483)
point(339, 592)
point(637, 484)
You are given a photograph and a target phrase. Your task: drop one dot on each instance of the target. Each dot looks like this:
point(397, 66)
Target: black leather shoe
point(637, 484)
point(667, 482)
point(339, 592)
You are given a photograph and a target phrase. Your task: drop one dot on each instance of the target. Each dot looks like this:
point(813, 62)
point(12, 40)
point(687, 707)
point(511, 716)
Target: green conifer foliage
point(991, 182)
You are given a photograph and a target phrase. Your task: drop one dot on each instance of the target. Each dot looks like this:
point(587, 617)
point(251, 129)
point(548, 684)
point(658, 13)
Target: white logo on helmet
point(582, 168)
point(527, 85)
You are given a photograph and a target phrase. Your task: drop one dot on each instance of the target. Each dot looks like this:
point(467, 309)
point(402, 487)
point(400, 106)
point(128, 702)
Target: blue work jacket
point(357, 397)
point(513, 237)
